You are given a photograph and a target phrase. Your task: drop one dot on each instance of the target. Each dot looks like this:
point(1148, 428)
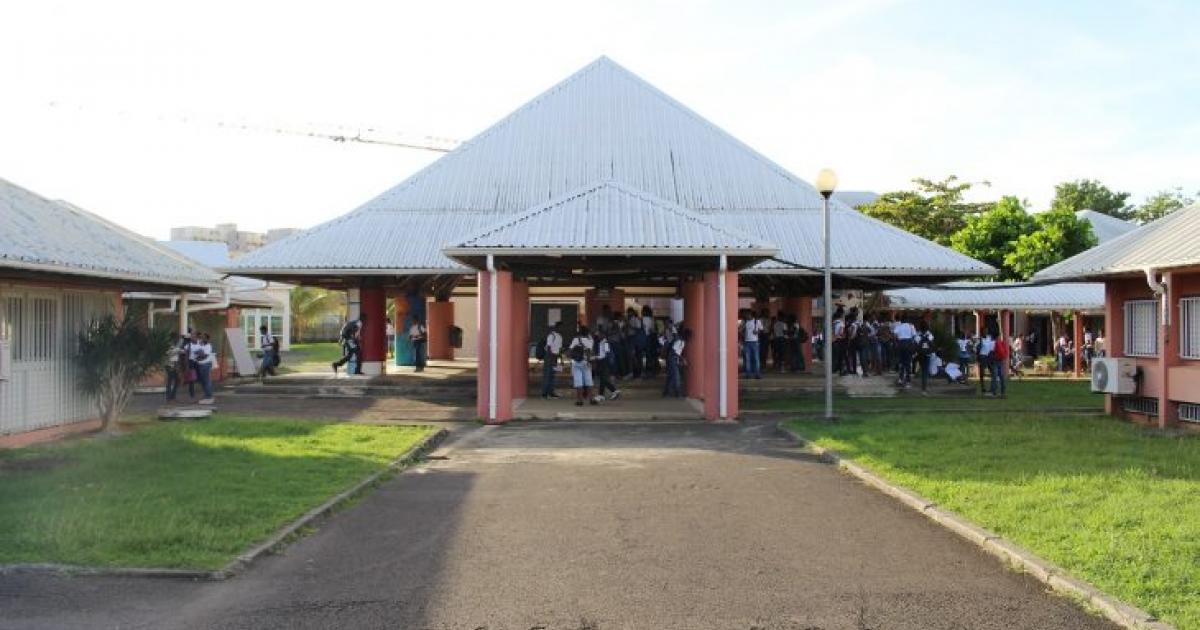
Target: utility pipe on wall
point(1160, 291)
point(491, 268)
point(723, 335)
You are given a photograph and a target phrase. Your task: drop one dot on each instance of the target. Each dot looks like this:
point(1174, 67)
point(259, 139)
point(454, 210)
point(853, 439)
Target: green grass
point(187, 495)
point(1115, 504)
point(311, 357)
point(1022, 395)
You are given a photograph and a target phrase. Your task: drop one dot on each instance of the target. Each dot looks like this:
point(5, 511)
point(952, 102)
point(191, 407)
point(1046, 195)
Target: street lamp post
point(826, 183)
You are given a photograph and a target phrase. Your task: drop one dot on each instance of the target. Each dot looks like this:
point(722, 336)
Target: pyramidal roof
point(1104, 226)
point(610, 217)
point(602, 124)
point(1164, 243)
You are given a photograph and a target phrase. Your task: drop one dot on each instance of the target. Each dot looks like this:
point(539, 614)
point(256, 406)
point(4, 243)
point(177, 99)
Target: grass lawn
point(1022, 395)
point(311, 357)
point(1115, 504)
point(184, 495)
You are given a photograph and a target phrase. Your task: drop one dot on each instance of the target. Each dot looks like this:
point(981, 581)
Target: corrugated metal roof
point(39, 234)
point(1172, 241)
point(1105, 227)
point(855, 198)
point(601, 124)
point(857, 242)
point(1065, 296)
point(609, 216)
point(211, 254)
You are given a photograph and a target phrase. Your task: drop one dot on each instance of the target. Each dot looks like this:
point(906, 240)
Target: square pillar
point(801, 307)
point(1005, 328)
point(694, 320)
point(520, 330)
point(1077, 335)
point(373, 304)
point(720, 386)
point(439, 319)
point(497, 376)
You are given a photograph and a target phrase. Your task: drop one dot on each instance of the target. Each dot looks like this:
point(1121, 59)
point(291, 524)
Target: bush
point(114, 356)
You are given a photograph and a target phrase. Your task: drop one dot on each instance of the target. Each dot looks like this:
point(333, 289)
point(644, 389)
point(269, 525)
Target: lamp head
point(826, 182)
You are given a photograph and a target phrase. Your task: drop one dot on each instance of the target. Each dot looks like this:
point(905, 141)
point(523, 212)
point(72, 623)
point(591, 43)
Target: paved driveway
point(591, 526)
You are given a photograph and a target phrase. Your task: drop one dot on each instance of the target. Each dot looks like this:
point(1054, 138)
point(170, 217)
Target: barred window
point(1189, 328)
point(1141, 328)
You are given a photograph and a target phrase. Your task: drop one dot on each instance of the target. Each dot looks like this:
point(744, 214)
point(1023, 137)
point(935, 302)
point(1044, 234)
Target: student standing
point(269, 345)
point(674, 384)
point(418, 335)
point(1000, 365)
point(752, 327)
point(924, 341)
point(389, 330)
point(204, 359)
point(551, 348)
point(581, 352)
point(905, 334)
point(175, 366)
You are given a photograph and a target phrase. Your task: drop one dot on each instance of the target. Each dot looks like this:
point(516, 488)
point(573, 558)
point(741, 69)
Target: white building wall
point(41, 326)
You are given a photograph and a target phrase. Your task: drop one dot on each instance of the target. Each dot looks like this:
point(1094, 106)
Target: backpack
point(578, 352)
point(862, 335)
point(924, 345)
point(348, 330)
point(540, 352)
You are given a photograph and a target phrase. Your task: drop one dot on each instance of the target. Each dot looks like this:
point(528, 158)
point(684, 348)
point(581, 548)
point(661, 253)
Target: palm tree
point(310, 304)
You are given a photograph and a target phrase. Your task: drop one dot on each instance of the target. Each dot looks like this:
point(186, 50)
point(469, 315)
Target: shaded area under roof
point(41, 235)
point(1066, 296)
point(1172, 241)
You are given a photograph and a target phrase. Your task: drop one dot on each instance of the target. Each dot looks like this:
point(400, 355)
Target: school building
point(603, 190)
point(1151, 282)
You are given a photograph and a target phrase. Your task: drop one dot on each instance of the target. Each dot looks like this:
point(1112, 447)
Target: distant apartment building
point(238, 241)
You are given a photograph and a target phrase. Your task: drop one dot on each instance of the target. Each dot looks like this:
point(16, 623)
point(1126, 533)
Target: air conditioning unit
point(1114, 376)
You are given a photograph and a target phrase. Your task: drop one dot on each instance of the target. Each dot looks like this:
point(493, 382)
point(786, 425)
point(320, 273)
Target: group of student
point(1064, 350)
point(191, 360)
point(778, 338)
point(621, 346)
point(351, 342)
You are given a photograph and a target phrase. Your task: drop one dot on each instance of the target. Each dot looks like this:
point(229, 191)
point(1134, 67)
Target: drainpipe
point(1160, 291)
point(491, 268)
point(151, 311)
point(724, 351)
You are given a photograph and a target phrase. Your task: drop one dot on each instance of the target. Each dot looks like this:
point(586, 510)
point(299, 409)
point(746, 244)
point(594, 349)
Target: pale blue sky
point(1024, 94)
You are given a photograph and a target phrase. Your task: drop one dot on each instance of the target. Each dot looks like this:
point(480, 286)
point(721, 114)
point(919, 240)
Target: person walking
point(204, 359)
point(582, 352)
point(905, 334)
point(603, 367)
point(925, 351)
point(418, 336)
point(550, 349)
point(351, 345)
point(1000, 366)
point(987, 359)
point(674, 384)
point(269, 345)
point(389, 331)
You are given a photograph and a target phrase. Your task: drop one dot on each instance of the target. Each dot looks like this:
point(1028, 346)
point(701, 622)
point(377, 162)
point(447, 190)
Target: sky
point(115, 105)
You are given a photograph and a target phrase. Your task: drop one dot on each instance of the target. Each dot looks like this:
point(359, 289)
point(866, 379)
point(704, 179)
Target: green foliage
point(1088, 194)
point(310, 304)
point(1060, 235)
point(1162, 203)
point(935, 210)
point(944, 343)
point(1108, 501)
point(114, 356)
point(181, 494)
point(992, 235)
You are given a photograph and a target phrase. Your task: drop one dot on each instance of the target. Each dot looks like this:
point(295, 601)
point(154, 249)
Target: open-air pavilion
point(603, 189)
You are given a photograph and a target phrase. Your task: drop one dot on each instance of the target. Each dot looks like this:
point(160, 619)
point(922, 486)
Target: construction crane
point(336, 133)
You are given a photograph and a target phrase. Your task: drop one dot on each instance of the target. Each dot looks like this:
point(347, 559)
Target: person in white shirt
point(389, 331)
point(674, 384)
point(751, 328)
point(203, 358)
point(418, 335)
point(269, 345)
point(581, 353)
point(905, 334)
point(551, 349)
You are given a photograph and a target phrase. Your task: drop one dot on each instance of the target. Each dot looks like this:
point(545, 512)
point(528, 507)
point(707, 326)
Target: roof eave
point(66, 270)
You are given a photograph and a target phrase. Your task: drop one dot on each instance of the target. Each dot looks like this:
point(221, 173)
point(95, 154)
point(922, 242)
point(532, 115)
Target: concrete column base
point(372, 368)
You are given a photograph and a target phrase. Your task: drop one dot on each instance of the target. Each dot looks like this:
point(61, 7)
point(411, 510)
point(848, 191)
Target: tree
point(1088, 194)
point(1059, 235)
point(934, 210)
point(1162, 203)
point(992, 235)
point(310, 304)
point(115, 355)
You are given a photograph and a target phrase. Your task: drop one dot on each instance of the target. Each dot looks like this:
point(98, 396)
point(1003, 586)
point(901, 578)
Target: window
point(1141, 328)
point(1189, 328)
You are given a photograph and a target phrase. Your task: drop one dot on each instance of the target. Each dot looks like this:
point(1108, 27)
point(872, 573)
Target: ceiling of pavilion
point(602, 124)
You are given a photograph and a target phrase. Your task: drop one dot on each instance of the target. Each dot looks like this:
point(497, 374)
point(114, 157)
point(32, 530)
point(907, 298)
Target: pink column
point(694, 320)
point(501, 372)
point(373, 303)
point(520, 330)
point(1077, 325)
point(712, 367)
point(439, 317)
point(1005, 329)
point(801, 307)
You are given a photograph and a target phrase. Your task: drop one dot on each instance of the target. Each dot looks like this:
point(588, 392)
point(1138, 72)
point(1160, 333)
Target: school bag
point(578, 352)
point(540, 352)
point(348, 330)
point(924, 345)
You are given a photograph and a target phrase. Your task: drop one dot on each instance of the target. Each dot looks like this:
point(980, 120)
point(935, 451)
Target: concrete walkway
point(591, 525)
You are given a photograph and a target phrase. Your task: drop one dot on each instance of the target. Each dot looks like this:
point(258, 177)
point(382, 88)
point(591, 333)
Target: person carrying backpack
point(924, 345)
point(269, 344)
point(603, 374)
point(581, 352)
point(548, 351)
point(418, 335)
point(352, 344)
point(674, 384)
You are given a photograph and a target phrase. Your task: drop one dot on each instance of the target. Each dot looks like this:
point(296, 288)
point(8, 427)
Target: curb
point(248, 557)
point(1123, 614)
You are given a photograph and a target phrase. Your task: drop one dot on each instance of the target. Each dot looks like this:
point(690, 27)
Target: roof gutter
point(1160, 290)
